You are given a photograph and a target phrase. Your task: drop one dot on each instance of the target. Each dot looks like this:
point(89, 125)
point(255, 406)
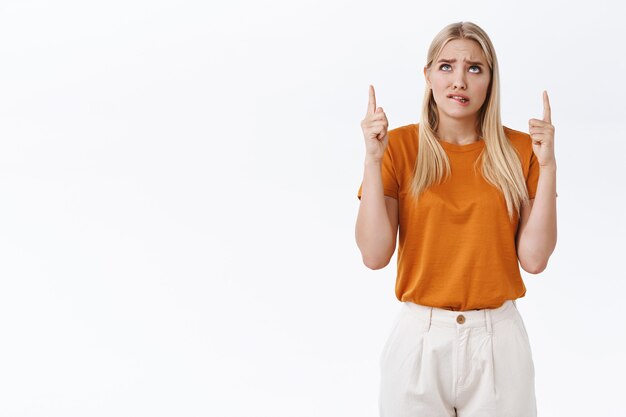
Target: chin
point(463, 112)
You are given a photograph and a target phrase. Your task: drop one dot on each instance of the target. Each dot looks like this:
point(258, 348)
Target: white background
point(178, 187)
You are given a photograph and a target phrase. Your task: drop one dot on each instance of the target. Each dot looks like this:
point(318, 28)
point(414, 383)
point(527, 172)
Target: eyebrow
point(454, 60)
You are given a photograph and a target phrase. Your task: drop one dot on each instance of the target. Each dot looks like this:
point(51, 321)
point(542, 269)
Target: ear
point(426, 77)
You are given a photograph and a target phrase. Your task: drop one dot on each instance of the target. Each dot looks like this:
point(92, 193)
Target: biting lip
point(458, 95)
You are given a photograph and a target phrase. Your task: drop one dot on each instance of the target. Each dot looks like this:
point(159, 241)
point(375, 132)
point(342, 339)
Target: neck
point(457, 131)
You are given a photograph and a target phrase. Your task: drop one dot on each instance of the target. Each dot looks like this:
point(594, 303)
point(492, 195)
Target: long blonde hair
point(501, 165)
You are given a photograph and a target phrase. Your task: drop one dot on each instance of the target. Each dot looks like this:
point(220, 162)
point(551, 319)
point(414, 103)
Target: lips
point(466, 99)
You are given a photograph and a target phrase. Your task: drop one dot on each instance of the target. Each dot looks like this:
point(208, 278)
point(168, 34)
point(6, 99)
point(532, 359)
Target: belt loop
point(430, 317)
point(488, 321)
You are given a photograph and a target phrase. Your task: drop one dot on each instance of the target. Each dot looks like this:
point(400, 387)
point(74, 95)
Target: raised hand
point(542, 134)
point(374, 127)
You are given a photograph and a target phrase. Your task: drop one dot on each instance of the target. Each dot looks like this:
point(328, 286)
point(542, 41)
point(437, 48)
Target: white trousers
point(444, 363)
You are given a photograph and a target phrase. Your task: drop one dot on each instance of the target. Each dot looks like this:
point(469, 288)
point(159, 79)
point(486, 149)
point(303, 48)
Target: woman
point(461, 188)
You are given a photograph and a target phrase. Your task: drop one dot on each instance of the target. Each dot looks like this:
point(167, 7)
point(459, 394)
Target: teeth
point(460, 98)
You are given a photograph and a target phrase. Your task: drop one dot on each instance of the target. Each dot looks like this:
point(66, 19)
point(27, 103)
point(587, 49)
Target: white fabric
point(432, 365)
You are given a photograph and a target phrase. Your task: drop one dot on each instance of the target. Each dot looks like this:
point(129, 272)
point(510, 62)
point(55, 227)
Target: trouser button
point(460, 319)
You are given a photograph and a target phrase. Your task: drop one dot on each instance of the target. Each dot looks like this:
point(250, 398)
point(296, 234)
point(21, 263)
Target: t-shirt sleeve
point(388, 172)
point(532, 179)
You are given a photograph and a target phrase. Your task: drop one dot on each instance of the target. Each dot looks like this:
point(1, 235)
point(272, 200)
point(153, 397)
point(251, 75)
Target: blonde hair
point(501, 164)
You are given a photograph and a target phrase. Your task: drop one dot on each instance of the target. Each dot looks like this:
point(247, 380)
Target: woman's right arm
point(377, 221)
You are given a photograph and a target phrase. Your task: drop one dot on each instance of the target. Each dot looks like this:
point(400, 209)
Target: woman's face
point(460, 69)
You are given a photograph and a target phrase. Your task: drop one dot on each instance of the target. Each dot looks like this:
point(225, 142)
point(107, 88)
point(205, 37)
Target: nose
point(459, 81)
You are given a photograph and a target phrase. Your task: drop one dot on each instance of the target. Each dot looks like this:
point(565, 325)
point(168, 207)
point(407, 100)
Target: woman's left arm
point(537, 231)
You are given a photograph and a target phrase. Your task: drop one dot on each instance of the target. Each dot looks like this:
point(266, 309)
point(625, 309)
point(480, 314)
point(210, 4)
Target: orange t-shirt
point(457, 246)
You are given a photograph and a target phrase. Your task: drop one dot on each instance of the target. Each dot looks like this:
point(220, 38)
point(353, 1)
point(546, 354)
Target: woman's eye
point(473, 66)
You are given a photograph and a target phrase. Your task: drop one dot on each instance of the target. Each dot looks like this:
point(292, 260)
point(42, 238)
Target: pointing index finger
point(547, 113)
point(371, 107)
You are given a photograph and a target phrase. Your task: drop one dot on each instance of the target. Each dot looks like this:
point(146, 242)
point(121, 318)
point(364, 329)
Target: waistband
point(469, 318)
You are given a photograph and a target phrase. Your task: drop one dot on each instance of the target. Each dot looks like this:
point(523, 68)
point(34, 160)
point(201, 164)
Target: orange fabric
point(456, 249)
